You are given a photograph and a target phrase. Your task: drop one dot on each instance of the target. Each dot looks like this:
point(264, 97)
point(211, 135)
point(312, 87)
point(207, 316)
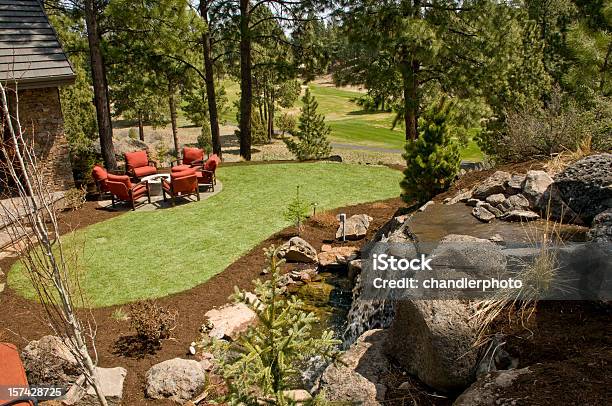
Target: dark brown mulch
point(22, 320)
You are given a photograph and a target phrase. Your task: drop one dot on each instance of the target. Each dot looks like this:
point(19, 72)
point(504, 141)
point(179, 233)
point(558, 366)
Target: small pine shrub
point(265, 361)
point(161, 152)
point(432, 159)
point(312, 132)
point(286, 123)
point(205, 138)
point(151, 322)
point(297, 211)
point(132, 133)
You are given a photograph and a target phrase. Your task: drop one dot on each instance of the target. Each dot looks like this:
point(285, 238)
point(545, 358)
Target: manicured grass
point(152, 254)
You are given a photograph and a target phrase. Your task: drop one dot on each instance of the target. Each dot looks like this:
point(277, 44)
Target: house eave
point(42, 82)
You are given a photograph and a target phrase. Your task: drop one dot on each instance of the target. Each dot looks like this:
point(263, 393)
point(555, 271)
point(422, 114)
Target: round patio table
point(155, 181)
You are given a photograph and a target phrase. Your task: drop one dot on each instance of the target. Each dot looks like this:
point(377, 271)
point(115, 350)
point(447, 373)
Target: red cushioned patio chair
point(99, 175)
point(206, 174)
point(12, 375)
point(138, 164)
point(192, 157)
point(182, 183)
point(122, 188)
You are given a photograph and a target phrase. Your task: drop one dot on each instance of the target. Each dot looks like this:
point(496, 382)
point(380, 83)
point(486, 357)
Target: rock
point(520, 215)
point(426, 205)
point(405, 386)
point(355, 227)
point(482, 214)
point(490, 389)
point(515, 202)
point(176, 379)
point(356, 376)
point(298, 395)
point(229, 321)
point(111, 381)
point(49, 361)
point(496, 238)
point(207, 361)
point(601, 231)
point(488, 206)
point(586, 186)
point(298, 250)
point(473, 202)
point(534, 186)
point(496, 198)
point(515, 184)
point(433, 339)
point(337, 256)
point(461, 197)
point(496, 183)
point(354, 269)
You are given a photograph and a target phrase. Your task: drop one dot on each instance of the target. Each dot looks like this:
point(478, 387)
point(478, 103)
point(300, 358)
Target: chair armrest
point(141, 183)
point(197, 162)
point(23, 399)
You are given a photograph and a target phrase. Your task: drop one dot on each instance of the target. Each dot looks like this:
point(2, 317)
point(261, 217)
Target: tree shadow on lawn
point(133, 346)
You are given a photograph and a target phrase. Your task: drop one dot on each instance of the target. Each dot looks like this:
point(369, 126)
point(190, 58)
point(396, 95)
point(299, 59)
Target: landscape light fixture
point(343, 223)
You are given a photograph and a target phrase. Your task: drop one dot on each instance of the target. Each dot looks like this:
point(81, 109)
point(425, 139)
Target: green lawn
point(152, 254)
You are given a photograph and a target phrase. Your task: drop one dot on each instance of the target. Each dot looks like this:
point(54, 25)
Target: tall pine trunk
point(411, 98)
point(246, 81)
point(100, 87)
point(271, 117)
point(140, 126)
point(210, 83)
point(172, 103)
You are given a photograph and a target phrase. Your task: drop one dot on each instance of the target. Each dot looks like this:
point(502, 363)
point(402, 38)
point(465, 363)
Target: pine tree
point(312, 132)
point(432, 159)
point(265, 361)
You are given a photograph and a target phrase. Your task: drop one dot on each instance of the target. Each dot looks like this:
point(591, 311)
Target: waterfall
point(371, 313)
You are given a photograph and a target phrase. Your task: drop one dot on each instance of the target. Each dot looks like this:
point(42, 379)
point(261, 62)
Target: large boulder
point(515, 184)
point(176, 379)
point(433, 339)
point(48, 361)
point(482, 214)
point(111, 382)
point(298, 250)
point(514, 202)
point(492, 389)
point(337, 256)
point(534, 186)
point(494, 184)
point(520, 215)
point(601, 231)
point(229, 321)
point(356, 377)
point(355, 227)
point(586, 186)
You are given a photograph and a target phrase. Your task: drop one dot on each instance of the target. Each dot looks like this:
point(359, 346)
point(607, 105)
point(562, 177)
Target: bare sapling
point(34, 234)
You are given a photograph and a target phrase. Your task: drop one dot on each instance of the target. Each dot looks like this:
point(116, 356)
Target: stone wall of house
point(40, 113)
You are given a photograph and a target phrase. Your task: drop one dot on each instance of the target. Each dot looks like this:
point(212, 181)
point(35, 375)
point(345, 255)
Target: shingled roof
point(30, 52)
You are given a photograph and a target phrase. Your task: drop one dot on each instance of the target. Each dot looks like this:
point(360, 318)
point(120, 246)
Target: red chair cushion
point(136, 159)
point(191, 154)
point(11, 369)
point(184, 181)
point(211, 163)
point(121, 179)
point(99, 174)
point(180, 168)
point(145, 171)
